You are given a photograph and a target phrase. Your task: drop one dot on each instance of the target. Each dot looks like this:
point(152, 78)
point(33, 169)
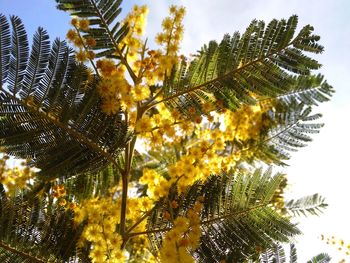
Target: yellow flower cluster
point(14, 178)
point(341, 245)
point(163, 126)
point(247, 122)
point(158, 186)
point(136, 21)
point(115, 90)
point(173, 30)
point(184, 235)
point(206, 151)
point(59, 193)
point(102, 216)
point(83, 44)
point(81, 24)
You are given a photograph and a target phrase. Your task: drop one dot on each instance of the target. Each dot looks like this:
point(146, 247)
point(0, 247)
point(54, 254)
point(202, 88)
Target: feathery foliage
point(102, 15)
point(312, 204)
point(50, 111)
point(269, 62)
point(36, 231)
point(236, 217)
point(278, 255)
point(205, 122)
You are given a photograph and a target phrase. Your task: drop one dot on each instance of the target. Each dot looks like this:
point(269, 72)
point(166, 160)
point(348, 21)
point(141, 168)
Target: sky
point(322, 166)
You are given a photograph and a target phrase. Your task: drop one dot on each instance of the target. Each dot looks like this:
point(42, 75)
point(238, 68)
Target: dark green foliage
point(293, 257)
point(278, 255)
point(35, 231)
point(320, 258)
point(291, 125)
point(49, 109)
point(313, 204)
point(101, 15)
point(50, 113)
point(237, 216)
point(92, 184)
point(269, 62)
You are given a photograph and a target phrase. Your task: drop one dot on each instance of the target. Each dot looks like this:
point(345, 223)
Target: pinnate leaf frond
point(50, 111)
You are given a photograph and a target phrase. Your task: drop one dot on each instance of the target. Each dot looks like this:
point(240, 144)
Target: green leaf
point(313, 204)
point(36, 232)
point(320, 258)
point(265, 62)
point(102, 15)
point(236, 216)
point(50, 110)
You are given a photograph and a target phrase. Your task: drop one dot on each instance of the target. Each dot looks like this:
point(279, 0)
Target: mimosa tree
point(136, 154)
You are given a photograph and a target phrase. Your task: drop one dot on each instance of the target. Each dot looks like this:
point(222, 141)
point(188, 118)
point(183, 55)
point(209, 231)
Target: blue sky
point(322, 166)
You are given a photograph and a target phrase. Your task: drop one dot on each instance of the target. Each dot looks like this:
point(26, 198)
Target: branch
point(219, 218)
point(75, 134)
point(86, 49)
point(139, 221)
point(122, 58)
point(206, 222)
point(232, 72)
point(23, 254)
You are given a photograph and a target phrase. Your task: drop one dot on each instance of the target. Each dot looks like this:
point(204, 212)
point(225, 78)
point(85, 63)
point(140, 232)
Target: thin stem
point(86, 49)
point(115, 44)
point(131, 235)
point(129, 154)
point(206, 222)
point(21, 253)
point(139, 221)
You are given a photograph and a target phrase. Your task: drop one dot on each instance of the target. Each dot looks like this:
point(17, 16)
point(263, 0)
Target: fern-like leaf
point(292, 125)
point(36, 231)
point(50, 111)
point(104, 28)
point(313, 204)
point(236, 216)
point(320, 258)
point(277, 255)
point(293, 256)
point(265, 62)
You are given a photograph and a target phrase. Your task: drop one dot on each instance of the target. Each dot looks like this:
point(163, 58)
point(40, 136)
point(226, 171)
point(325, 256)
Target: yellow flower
point(79, 215)
point(97, 255)
point(74, 21)
point(181, 223)
point(90, 41)
point(160, 38)
point(110, 106)
point(93, 232)
point(141, 92)
point(71, 35)
point(143, 125)
point(62, 202)
point(167, 23)
point(84, 24)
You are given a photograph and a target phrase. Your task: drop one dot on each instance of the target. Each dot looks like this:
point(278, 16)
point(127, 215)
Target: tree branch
point(23, 254)
point(75, 134)
point(226, 75)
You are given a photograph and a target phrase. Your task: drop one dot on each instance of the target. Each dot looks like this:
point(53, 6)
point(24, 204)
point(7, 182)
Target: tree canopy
point(135, 154)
